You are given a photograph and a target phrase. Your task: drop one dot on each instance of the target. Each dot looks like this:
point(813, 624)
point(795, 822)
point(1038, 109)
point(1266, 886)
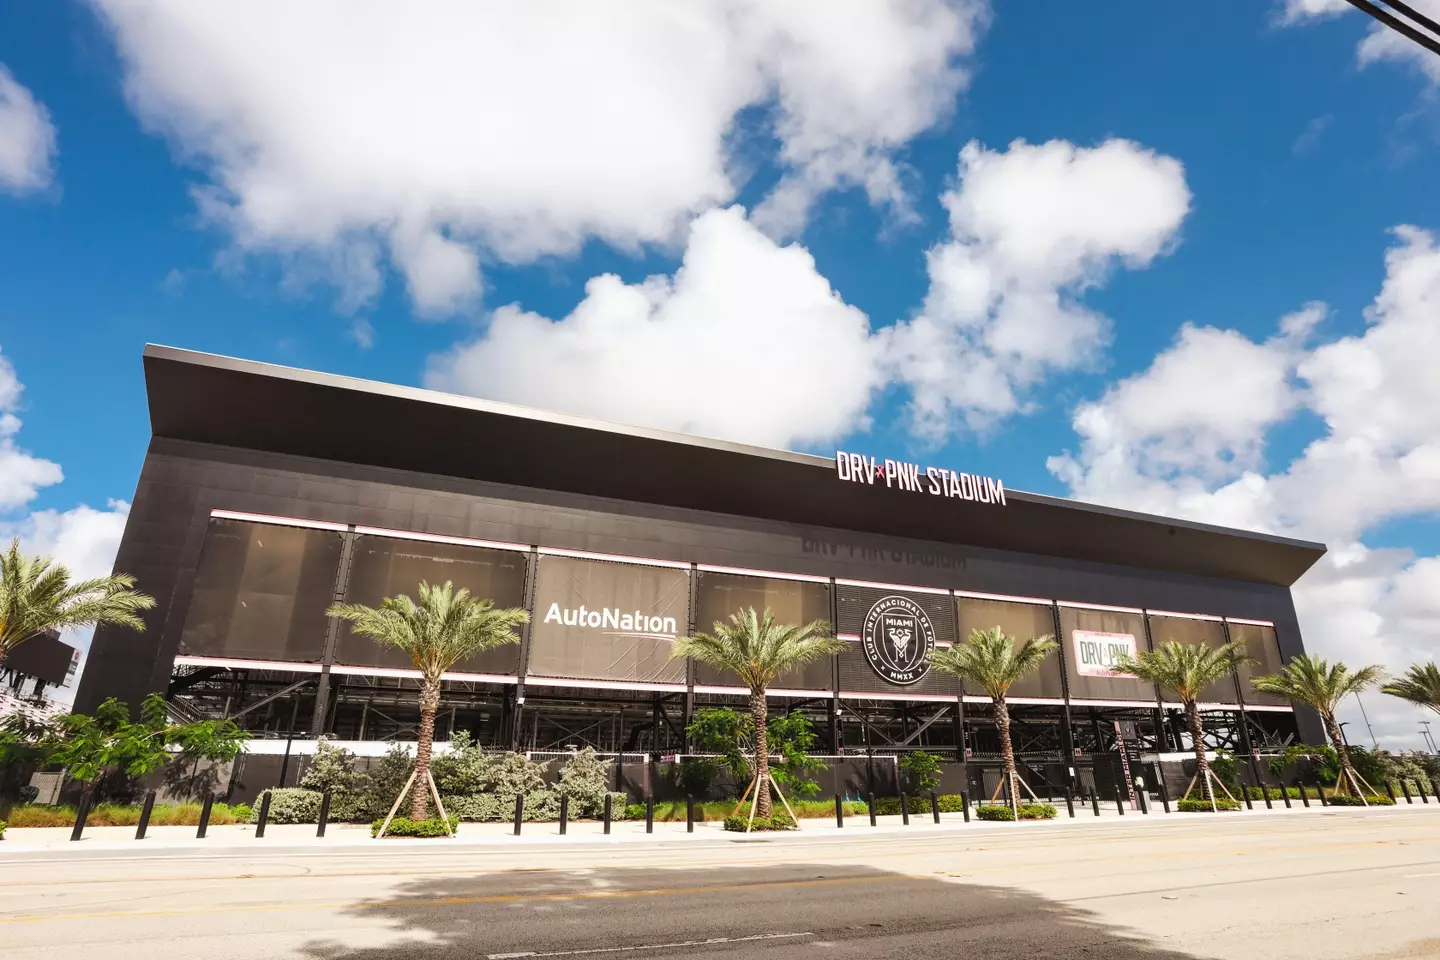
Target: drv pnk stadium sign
point(936, 481)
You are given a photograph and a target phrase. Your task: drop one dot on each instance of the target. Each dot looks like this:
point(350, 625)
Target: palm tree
point(757, 650)
point(1187, 669)
point(444, 626)
point(991, 660)
point(37, 595)
point(1420, 685)
point(1316, 683)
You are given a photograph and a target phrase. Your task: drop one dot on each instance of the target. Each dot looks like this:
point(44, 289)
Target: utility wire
point(1400, 26)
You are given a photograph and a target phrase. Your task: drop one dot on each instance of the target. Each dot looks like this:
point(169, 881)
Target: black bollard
point(1435, 785)
point(904, 809)
point(1144, 799)
point(839, 811)
point(145, 815)
point(1245, 792)
point(564, 812)
point(1304, 794)
point(1095, 800)
point(205, 815)
point(324, 817)
point(1320, 792)
point(935, 806)
point(1119, 801)
point(965, 805)
point(1070, 802)
point(81, 812)
point(608, 799)
point(649, 814)
point(519, 812)
point(689, 814)
point(1405, 789)
point(1390, 790)
point(264, 815)
point(1265, 792)
point(1285, 794)
point(1164, 790)
point(1421, 791)
point(872, 809)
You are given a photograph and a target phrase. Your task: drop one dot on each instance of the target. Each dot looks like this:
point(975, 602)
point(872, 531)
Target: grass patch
point(118, 815)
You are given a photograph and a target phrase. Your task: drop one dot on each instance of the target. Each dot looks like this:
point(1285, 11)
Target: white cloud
point(339, 133)
point(27, 139)
point(1186, 437)
point(747, 341)
point(1031, 229)
point(1380, 42)
point(22, 475)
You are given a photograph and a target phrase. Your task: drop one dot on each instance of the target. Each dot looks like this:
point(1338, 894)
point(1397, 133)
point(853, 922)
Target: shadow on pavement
point(783, 911)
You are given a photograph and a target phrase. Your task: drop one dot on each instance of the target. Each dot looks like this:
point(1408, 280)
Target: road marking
point(1417, 876)
point(450, 901)
point(648, 946)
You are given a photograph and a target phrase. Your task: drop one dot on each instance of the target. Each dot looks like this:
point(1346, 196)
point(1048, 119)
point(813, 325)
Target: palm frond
point(443, 626)
point(1316, 682)
point(37, 595)
point(1420, 685)
point(1187, 669)
point(756, 649)
point(991, 659)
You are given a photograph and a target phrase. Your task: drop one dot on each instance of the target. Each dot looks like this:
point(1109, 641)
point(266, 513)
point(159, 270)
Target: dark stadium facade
point(268, 493)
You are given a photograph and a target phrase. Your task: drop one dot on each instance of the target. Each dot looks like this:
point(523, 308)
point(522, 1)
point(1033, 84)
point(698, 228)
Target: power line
point(1400, 26)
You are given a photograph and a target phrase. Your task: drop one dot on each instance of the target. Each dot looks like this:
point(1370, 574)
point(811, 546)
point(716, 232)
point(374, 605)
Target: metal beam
point(274, 696)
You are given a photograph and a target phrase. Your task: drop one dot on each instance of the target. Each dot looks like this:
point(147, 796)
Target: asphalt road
point(1345, 884)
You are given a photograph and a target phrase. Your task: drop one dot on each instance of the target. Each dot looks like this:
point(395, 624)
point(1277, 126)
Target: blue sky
point(1269, 160)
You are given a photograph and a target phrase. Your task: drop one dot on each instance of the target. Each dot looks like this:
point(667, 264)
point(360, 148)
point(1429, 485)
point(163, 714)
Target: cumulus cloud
point(27, 139)
point(346, 135)
point(747, 341)
point(1186, 437)
point(22, 474)
point(1031, 229)
point(1300, 11)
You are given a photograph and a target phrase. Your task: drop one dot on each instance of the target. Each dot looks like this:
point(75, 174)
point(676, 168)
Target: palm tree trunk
point(1347, 780)
point(1007, 751)
point(1197, 739)
point(429, 703)
point(762, 753)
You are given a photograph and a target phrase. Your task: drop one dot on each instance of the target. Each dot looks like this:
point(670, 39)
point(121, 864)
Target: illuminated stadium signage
point(936, 481)
point(613, 620)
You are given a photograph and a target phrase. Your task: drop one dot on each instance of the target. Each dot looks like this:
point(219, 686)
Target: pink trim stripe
point(241, 664)
point(1234, 705)
point(1251, 623)
point(1082, 702)
point(892, 586)
point(1184, 616)
point(278, 521)
point(928, 697)
point(1101, 606)
point(1000, 596)
point(612, 558)
point(353, 671)
point(772, 574)
point(437, 538)
point(604, 684)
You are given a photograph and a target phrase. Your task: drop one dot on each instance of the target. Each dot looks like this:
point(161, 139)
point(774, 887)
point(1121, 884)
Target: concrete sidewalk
point(241, 837)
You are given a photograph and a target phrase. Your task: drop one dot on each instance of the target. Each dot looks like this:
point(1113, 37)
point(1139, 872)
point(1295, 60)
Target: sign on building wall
point(901, 475)
point(602, 620)
point(1096, 653)
point(898, 638)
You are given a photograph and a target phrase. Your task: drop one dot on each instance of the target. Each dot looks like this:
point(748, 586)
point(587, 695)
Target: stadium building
point(268, 493)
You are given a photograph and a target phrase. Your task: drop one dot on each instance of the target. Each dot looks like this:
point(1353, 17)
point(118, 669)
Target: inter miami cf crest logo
point(898, 639)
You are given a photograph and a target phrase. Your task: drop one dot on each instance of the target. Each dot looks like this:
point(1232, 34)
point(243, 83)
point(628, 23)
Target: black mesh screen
point(1088, 635)
point(1022, 621)
point(261, 591)
point(599, 620)
point(387, 566)
point(1261, 644)
point(854, 605)
point(718, 595)
point(1194, 633)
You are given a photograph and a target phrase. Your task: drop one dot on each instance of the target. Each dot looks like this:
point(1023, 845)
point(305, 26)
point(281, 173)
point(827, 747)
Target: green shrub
point(1347, 800)
point(890, 806)
point(2, 829)
point(1028, 811)
point(405, 827)
point(1200, 805)
point(1276, 793)
point(463, 769)
point(242, 812)
point(922, 771)
point(584, 778)
point(779, 820)
point(292, 805)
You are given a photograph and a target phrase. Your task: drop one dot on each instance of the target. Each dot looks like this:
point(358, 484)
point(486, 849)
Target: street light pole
point(1429, 737)
point(1367, 721)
